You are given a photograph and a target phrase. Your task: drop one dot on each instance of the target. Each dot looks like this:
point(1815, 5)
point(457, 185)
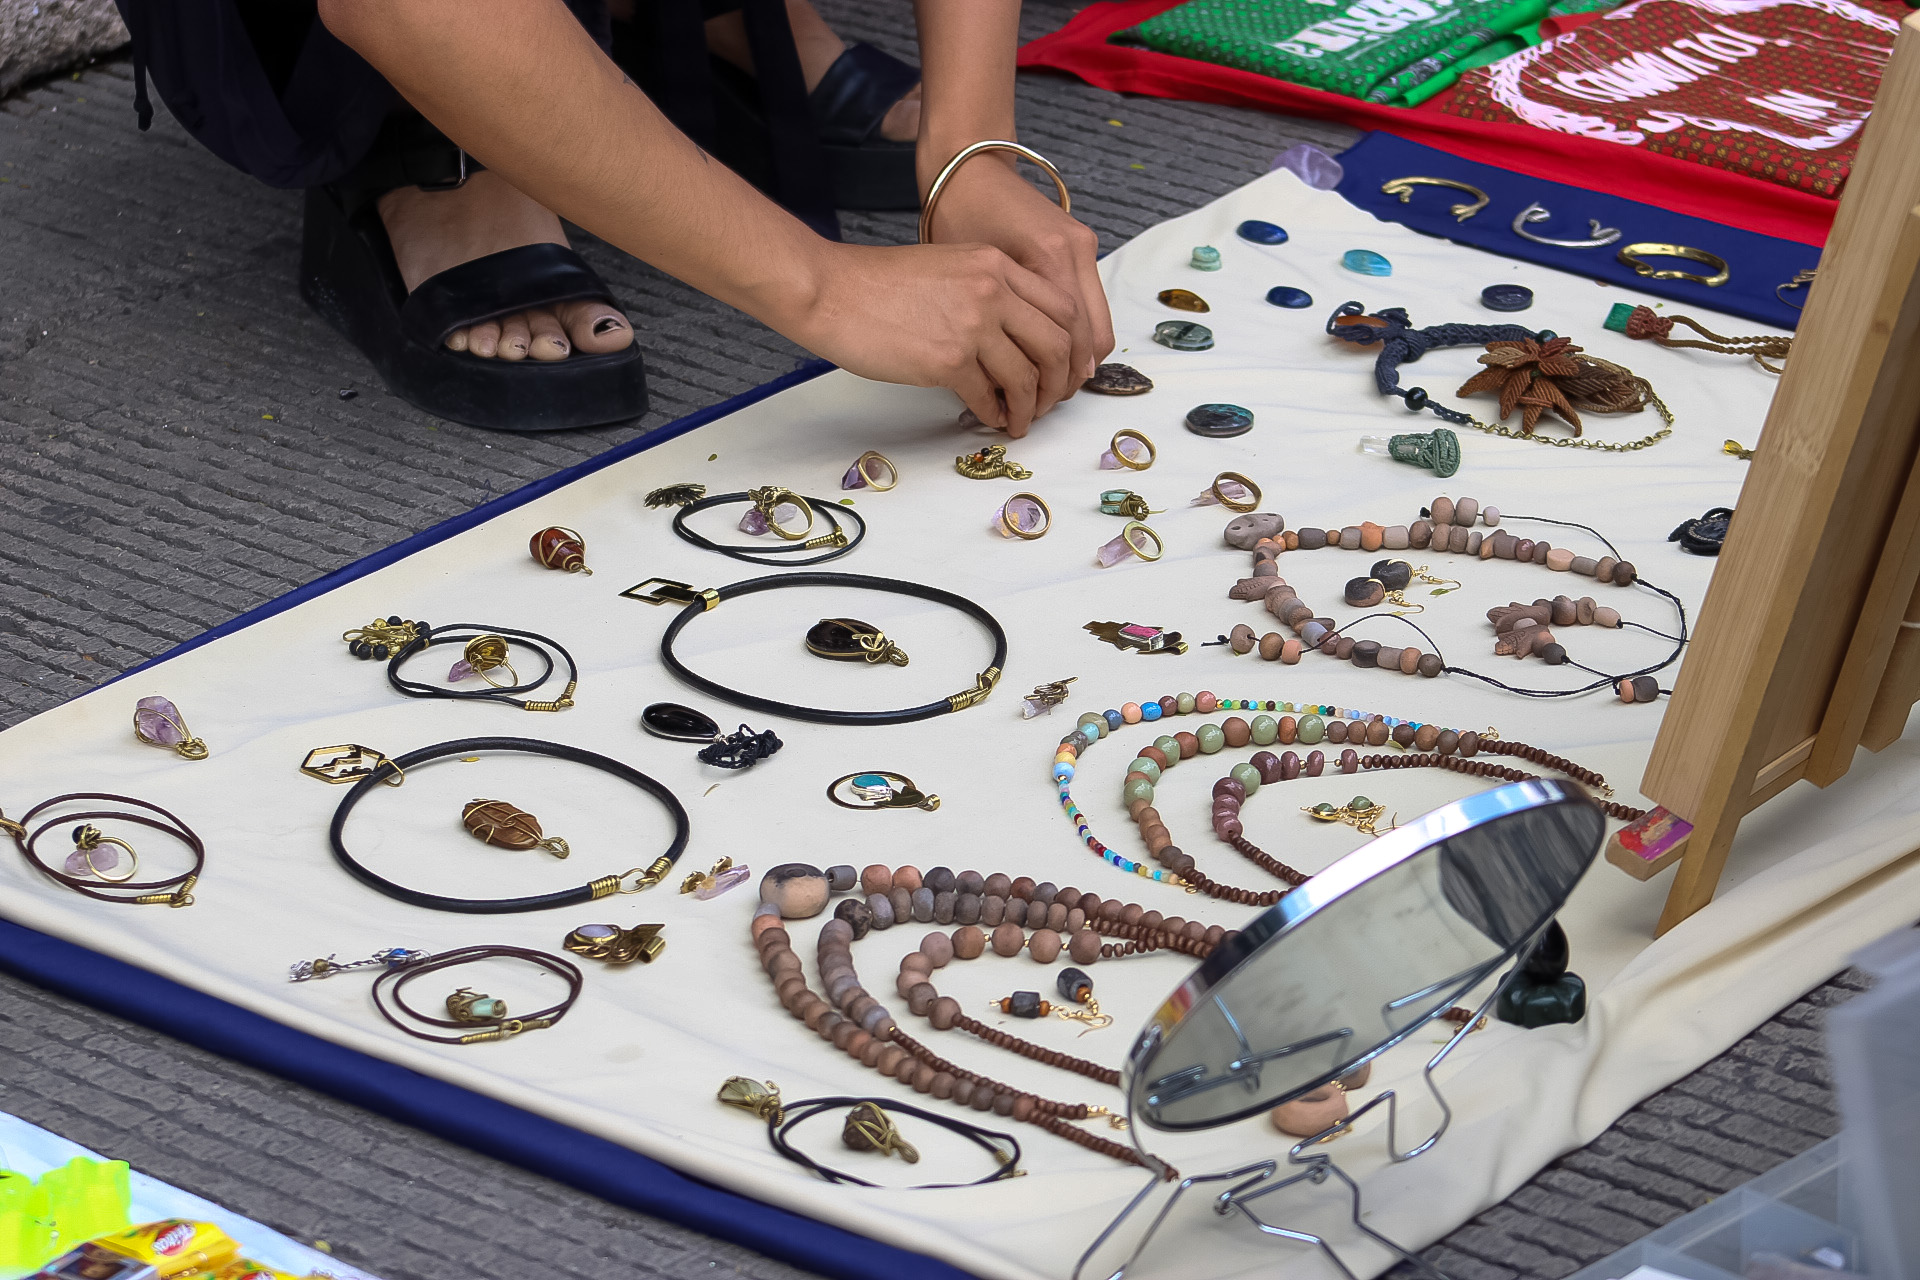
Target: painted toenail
point(607, 324)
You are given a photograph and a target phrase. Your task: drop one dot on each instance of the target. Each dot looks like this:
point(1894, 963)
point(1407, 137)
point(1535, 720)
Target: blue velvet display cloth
point(495, 1128)
point(1758, 263)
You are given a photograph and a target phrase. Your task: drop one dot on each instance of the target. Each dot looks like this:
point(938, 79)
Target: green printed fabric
point(1376, 49)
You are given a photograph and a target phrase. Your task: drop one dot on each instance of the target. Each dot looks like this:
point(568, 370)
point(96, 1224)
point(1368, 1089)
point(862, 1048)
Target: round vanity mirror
point(1355, 960)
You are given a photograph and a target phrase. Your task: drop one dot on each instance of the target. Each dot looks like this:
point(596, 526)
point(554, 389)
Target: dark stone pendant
point(1118, 380)
point(1219, 421)
point(851, 640)
point(1543, 993)
point(676, 723)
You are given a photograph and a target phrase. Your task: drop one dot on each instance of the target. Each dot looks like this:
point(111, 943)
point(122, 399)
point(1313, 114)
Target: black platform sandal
point(847, 107)
point(849, 104)
point(349, 276)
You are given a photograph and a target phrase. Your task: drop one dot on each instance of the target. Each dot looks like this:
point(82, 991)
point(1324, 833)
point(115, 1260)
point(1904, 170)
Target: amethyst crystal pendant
point(157, 722)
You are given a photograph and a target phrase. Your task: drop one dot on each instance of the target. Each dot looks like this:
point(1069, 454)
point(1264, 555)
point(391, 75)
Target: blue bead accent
point(1150, 711)
point(1114, 719)
point(1285, 295)
point(1063, 771)
point(1261, 232)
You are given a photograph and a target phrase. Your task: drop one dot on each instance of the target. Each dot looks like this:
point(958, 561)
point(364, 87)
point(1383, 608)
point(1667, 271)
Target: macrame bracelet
point(1600, 385)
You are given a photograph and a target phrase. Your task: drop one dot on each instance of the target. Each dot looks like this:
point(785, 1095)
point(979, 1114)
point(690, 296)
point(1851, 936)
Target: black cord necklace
point(485, 650)
point(836, 542)
point(699, 602)
point(780, 1127)
point(632, 881)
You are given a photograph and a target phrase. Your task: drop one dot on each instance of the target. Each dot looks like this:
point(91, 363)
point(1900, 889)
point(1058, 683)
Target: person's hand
point(988, 202)
point(966, 317)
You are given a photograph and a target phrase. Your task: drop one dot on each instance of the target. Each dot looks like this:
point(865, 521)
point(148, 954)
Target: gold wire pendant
point(851, 640)
point(868, 1128)
point(504, 826)
point(616, 946)
point(990, 463)
point(468, 1005)
point(762, 1100)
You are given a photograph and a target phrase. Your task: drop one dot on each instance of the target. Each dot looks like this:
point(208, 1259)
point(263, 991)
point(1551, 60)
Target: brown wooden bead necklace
point(1445, 526)
point(854, 1021)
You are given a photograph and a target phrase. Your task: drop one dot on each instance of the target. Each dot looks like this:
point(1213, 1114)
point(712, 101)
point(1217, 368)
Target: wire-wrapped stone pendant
point(560, 548)
point(157, 722)
point(500, 824)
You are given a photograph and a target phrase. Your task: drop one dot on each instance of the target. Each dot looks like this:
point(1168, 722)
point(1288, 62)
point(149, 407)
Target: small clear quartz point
point(1031, 707)
point(1381, 445)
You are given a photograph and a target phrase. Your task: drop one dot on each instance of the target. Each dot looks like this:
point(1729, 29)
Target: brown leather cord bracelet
point(471, 1011)
point(174, 891)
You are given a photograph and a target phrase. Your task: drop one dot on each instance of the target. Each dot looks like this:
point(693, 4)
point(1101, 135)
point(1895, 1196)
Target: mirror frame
point(1320, 893)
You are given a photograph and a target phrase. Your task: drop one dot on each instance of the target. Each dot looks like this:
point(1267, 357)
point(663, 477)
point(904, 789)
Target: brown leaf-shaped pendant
point(498, 823)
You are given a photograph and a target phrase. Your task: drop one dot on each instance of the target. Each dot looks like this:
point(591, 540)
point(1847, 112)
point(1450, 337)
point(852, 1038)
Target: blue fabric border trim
point(1758, 262)
point(498, 1129)
point(486, 511)
point(505, 1132)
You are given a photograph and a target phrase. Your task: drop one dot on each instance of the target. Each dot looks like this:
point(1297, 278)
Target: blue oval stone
point(1183, 335)
point(1506, 297)
point(1285, 295)
point(1366, 262)
point(1219, 421)
point(870, 780)
point(1261, 232)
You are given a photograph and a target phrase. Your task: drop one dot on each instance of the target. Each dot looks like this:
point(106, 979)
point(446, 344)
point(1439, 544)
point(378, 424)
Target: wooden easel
point(1808, 643)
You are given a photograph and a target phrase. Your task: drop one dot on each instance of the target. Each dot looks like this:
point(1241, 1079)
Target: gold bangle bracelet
point(1403, 187)
point(1629, 256)
point(966, 154)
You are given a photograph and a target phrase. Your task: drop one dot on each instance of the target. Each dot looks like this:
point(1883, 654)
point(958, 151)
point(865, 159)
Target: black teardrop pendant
point(677, 723)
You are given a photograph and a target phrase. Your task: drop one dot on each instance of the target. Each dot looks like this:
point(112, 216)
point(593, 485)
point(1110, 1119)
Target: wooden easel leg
point(1698, 874)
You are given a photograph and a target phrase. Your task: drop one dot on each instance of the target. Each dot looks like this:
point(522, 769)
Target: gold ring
point(1403, 187)
point(862, 465)
point(1012, 525)
point(770, 499)
point(966, 154)
point(1243, 505)
point(88, 837)
point(1159, 547)
point(484, 653)
point(1721, 271)
point(1128, 433)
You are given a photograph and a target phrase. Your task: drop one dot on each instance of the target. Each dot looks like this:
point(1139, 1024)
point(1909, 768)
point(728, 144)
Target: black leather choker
point(836, 543)
point(632, 881)
point(698, 602)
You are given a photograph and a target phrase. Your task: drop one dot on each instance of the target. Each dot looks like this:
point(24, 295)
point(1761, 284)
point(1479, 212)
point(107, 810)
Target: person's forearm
point(967, 50)
point(520, 85)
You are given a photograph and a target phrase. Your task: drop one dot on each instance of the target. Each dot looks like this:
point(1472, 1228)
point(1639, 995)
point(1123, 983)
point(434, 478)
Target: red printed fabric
point(1777, 89)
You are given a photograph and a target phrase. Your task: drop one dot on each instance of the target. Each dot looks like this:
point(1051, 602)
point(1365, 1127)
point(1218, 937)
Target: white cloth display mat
point(640, 1057)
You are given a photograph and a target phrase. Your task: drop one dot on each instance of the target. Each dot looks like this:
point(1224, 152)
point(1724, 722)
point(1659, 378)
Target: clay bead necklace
point(850, 1018)
point(1445, 526)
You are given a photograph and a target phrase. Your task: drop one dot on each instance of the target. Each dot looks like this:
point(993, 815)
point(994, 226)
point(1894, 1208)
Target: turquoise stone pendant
point(1205, 258)
point(1366, 262)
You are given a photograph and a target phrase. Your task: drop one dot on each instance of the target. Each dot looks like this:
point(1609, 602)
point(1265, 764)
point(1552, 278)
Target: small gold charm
point(500, 824)
point(382, 638)
point(617, 946)
point(468, 1005)
point(348, 762)
point(752, 1095)
point(868, 1128)
point(1138, 637)
point(1360, 813)
point(1045, 697)
point(990, 463)
point(676, 495)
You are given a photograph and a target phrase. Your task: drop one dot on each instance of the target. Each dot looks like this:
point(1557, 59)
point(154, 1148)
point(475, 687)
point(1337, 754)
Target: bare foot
point(434, 230)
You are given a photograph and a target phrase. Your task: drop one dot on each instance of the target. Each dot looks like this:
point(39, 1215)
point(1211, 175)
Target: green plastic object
point(1437, 450)
point(26, 1227)
point(79, 1201)
point(88, 1198)
point(1617, 318)
point(1543, 993)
